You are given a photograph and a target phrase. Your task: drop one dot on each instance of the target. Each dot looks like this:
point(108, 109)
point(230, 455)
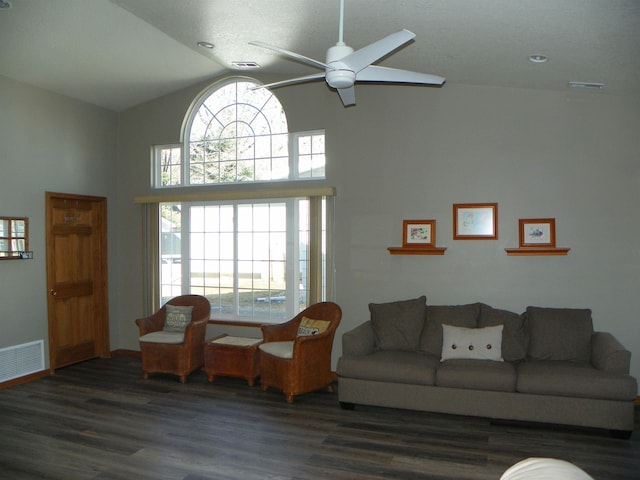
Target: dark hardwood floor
point(101, 420)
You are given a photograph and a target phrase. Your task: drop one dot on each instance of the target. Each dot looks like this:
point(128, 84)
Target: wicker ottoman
point(232, 357)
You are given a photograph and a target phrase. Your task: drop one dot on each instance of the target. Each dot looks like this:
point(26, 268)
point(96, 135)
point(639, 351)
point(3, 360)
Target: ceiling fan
point(344, 66)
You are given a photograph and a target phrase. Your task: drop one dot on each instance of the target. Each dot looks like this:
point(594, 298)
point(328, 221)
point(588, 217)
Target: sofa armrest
point(608, 354)
point(359, 341)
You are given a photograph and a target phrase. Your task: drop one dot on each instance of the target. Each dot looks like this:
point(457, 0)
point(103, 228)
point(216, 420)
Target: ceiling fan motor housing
point(340, 75)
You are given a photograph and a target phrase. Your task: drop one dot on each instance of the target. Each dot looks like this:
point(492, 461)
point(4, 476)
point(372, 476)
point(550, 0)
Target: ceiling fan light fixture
point(538, 58)
point(341, 78)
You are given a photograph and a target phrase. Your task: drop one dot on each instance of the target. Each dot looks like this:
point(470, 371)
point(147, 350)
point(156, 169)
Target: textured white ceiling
point(118, 53)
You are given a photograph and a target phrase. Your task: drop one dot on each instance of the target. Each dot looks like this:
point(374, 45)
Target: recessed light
point(208, 45)
point(246, 64)
point(538, 58)
point(5, 4)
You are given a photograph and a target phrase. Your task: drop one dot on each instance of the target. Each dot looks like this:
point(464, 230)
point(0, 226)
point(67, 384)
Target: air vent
point(245, 65)
point(20, 360)
point(591, 85)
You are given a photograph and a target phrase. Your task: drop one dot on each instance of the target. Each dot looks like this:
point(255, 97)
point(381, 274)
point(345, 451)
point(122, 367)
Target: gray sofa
point(544, 365)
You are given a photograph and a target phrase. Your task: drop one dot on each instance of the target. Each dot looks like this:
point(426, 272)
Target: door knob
point(53, 292)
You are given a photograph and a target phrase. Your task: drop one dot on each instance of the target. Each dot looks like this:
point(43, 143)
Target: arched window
point(262, 254)
point(237, 133)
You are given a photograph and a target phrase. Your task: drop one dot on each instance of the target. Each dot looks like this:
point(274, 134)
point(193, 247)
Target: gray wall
point(47, 143)
point(402, 152)
point(411, 152)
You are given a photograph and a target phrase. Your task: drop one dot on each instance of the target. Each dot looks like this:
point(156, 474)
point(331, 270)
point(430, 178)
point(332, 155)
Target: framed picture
point(537, 232)
point(475, 221)
point(419, 233)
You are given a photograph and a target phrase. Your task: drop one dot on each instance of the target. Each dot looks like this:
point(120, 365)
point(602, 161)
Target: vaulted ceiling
point(119, 53)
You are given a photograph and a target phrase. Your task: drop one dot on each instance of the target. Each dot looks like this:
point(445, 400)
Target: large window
point(250, 258)
point(263, 254)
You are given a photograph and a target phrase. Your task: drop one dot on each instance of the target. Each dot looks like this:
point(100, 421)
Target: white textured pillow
point(474, 343)
point(177, 318)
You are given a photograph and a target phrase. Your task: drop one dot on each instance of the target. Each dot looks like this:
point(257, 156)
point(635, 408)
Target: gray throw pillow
point(177, 318)
point(397, 325)
point(514, 335)
point(560, 334)
point(454, 315)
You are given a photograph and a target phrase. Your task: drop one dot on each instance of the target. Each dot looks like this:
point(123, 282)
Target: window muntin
point(249, 258)
point(238, 134)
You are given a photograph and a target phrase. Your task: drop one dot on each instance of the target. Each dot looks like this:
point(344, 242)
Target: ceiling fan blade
point(375, 73)
point(296, 56)
point(291, 81)
point(347, 95)
point(375, 51)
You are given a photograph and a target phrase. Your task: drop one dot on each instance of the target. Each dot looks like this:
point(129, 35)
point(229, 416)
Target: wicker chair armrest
point(313, 342)
point(280, 332)
point(150, 324)
point(195, 332)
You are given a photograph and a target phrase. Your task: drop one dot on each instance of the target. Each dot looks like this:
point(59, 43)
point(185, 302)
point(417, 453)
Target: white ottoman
point(544, 469)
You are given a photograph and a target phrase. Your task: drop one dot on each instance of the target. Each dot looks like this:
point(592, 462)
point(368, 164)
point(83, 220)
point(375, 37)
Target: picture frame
point(419, 233)
point(537, 232)
point(475, 221)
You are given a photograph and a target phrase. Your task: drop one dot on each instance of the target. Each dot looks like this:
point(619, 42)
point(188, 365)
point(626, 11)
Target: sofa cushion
point(474, 343)
point(177, 317)
point(397, 325)
point(390, 366)
point(573, 380)
point(514, 335)
point(455, 315)
point(477, 375)
point(559, 334)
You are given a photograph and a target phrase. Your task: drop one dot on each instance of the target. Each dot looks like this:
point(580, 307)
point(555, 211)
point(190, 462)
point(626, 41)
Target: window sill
point(242, 323)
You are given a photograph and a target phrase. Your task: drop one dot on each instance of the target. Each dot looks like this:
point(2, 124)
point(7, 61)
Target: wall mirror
point(14, 237)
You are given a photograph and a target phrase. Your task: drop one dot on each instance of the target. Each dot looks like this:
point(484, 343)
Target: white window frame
point(320, 271)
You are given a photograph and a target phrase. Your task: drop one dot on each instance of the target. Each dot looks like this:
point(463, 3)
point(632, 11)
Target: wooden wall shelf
point(536, 251)
point(416, 250)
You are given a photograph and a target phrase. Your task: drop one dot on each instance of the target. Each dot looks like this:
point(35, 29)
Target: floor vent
point(20, 360)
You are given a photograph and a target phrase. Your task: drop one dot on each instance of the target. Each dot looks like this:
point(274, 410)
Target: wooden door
point(76, 278)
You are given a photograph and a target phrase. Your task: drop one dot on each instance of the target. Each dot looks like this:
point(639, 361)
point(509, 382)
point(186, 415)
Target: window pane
point(169, 164)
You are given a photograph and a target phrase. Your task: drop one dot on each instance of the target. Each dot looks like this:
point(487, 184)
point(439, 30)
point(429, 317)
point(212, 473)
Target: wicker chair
point(299, 364)
point(171, 352)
